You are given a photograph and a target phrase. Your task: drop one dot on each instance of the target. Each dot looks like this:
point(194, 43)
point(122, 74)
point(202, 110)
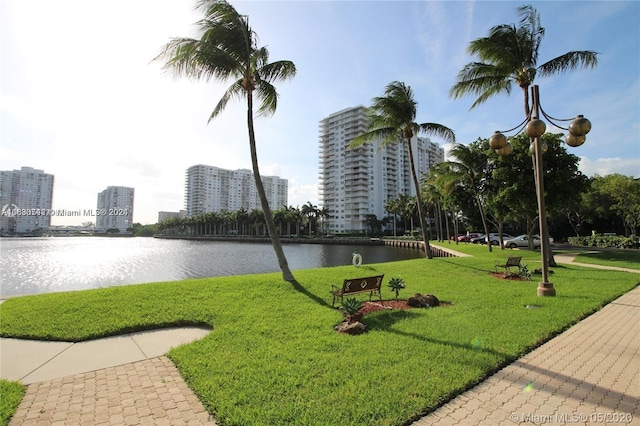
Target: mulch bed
point(507, 276)
point(368, 307)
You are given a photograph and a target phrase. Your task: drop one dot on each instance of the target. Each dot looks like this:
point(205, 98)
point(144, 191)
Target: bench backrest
point(513, 260)
point(356, 285)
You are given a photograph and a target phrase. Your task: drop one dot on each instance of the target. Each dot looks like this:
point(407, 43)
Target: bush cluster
point(604, 241)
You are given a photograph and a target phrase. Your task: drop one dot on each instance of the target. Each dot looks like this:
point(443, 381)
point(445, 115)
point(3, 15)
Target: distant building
point(26, 197)
point(115, 210)
point(162, 216)
point(212, 189)
point(355, 183)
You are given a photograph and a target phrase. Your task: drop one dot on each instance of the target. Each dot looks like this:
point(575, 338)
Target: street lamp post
point(535, 128)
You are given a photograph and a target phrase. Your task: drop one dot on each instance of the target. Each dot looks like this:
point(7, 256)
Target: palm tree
point(309, 211)
point(226, 50)
point(468, 169)
point(509, 55)
point(322, 214)
point(392, 119)
point(393, 207)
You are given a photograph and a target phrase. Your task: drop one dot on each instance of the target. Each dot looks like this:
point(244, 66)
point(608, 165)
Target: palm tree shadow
point(317, 299)
point(385, 321)
point(463, 266)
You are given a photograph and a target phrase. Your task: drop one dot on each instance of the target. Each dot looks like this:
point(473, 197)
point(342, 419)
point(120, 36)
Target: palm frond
point(268, 97)
point(438, 130)
point(235, 91)
point(483, 80)
point(568, 62)
point(277, 71)
point(383, 134)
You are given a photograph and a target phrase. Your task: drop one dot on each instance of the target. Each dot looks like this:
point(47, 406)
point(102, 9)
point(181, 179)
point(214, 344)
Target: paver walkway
point(149, 392)
point(589, 374)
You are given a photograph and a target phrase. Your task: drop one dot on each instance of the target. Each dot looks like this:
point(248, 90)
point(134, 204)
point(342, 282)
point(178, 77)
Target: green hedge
point(604, 241)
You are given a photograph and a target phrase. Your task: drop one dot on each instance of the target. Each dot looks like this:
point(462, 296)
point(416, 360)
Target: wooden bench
point(358, 285)
point(512, 262)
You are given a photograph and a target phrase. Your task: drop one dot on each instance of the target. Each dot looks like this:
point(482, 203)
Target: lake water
point(43, 265)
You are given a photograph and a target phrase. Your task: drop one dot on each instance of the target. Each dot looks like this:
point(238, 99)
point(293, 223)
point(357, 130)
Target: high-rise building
point(212, 189)
point(115, 210)
point(162, 216)
point(26, 196)
point(358, 182)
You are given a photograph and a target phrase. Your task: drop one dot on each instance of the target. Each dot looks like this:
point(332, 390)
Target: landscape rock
point(352, 328)
point(422, 300)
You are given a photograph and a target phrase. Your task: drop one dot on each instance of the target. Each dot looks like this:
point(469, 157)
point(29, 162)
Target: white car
point(521, 241)
point(551, 240)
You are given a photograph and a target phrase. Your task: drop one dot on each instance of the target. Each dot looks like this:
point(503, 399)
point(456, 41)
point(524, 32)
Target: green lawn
point(619, 258)
point(273, 357)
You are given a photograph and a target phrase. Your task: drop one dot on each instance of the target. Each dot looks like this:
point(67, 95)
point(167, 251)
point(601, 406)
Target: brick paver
point(588, 375)
point(149, 392)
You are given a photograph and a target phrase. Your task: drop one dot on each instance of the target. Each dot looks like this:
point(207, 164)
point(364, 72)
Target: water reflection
point(41, 265)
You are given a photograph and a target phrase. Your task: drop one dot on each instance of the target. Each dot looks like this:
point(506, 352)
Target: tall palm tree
point(509, 55)
point(392, 119)
point(227, 49)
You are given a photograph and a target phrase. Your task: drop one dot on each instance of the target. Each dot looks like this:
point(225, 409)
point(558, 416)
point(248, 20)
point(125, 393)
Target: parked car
point(480, 239)
point(467, 237)
point(521, 241)
point(494, 238)
point(551, 240)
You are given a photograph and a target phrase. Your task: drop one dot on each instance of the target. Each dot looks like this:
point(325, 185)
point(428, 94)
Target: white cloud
point(607, 166)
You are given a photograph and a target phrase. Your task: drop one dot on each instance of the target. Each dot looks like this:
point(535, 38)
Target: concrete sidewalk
point(31, 361)
point(122, 380)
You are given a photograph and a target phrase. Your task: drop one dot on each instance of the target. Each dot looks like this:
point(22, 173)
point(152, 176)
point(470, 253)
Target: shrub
point(351, 306)
point(396, 284)
point(603, 241)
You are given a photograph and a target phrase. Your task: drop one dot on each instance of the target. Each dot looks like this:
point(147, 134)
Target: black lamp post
point(535, 128)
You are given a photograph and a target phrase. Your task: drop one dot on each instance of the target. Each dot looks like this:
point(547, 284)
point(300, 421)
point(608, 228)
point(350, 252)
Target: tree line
point(297, 221)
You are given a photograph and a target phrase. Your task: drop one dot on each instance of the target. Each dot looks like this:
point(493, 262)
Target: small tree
point(396, 284)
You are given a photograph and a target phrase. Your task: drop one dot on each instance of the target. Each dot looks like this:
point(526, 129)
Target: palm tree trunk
point(482, 215)
point(527, 109)
point(427, 247)
point(268, 216)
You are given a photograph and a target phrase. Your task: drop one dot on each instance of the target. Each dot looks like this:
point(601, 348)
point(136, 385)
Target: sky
point(82, 98)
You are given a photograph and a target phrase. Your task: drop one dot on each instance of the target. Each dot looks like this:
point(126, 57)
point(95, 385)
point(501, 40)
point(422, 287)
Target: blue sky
point(81, 98)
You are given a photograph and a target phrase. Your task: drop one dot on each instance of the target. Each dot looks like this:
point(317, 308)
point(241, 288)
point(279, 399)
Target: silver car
point(521, 241)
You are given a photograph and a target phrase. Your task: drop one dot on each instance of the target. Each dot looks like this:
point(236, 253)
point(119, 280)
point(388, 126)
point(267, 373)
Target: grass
point(11, 394)
point(620, 258)
point(273, 357)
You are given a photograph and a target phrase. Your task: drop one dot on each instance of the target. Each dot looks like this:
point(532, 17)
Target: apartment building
point(212, 189)
point(358, 182)
point(115, 210)
point(26, 196)
point(162, 216)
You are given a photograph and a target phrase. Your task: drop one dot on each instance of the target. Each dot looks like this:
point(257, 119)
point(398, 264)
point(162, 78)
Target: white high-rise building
point(26, 196)
point(355, 183)
point(212, 189)
point(115, 209)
